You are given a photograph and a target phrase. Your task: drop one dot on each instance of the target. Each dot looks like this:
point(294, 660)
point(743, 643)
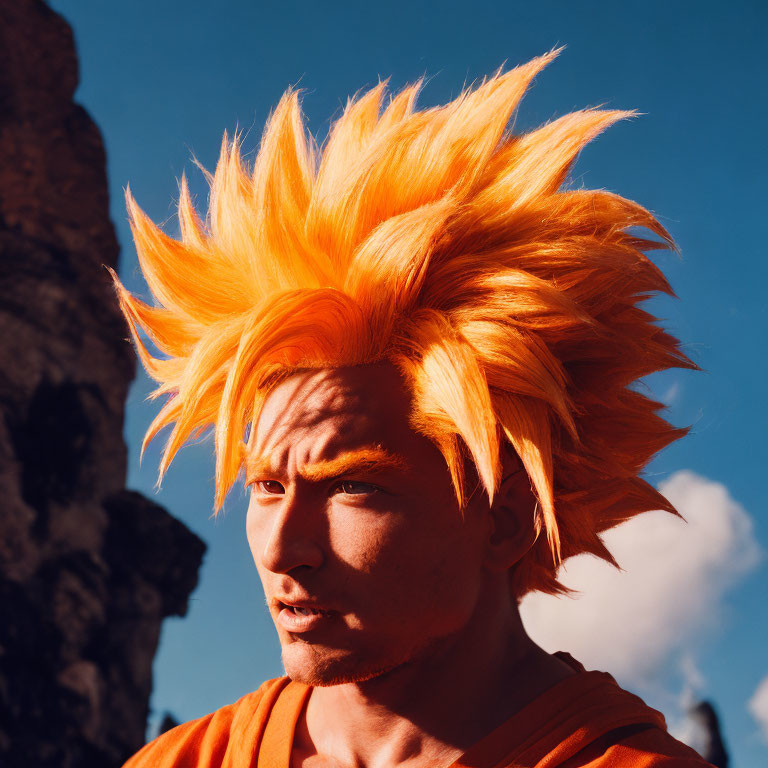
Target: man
point(419, 350)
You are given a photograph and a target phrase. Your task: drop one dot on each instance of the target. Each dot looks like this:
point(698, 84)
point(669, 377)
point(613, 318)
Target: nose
point(284, 536)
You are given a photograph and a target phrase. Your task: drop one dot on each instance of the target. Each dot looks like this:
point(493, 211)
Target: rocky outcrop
point(712, 747)
point(88, 570)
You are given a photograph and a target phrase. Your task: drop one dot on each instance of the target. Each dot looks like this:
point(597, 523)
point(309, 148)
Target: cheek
point(450, 568)
point(254, 530)
point(408, 560)
point(364, 541)
point(446, 563)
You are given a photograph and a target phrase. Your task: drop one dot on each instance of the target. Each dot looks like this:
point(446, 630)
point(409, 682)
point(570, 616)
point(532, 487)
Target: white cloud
point(671, 589)
point(691, 731)
point(683, 725)
point(693, 680)
point(758, 707)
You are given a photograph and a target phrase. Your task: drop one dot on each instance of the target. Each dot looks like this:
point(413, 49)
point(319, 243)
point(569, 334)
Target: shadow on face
point(365, 557)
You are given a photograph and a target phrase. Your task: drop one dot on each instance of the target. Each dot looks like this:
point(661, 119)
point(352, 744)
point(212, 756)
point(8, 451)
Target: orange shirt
point(583, 721)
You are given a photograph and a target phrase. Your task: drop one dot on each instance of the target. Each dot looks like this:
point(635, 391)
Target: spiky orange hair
point(436, 240)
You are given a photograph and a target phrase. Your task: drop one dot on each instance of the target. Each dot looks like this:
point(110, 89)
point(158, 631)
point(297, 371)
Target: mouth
point(295, 617)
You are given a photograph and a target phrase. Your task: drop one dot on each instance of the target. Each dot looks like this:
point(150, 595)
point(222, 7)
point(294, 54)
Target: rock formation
point(712, 747)
point(85, 573)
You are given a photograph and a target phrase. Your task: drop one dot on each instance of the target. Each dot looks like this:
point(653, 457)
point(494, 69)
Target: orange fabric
point(585, 721)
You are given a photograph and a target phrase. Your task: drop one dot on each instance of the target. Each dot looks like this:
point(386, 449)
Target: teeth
point(303, 611)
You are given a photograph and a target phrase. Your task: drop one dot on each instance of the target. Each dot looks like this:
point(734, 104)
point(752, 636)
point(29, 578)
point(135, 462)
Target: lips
point(301, 618)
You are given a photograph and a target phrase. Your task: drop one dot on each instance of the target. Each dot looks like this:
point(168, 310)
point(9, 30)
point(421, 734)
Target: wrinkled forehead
point(362, 403)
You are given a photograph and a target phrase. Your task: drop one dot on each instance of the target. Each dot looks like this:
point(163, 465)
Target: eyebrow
point(358, 460)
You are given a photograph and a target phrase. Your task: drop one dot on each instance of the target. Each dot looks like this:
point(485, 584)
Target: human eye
point(268, 487)
point(355, 488)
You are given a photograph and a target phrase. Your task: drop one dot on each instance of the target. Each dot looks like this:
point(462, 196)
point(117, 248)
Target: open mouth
point(302, 610)
point(301, 618)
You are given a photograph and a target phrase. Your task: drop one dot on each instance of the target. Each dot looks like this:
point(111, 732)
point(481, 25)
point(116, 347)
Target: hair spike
point(192, 229)
point(442, 242)
point(539, 161)
point(525, 422)
point(450, 390)
point(400, 107)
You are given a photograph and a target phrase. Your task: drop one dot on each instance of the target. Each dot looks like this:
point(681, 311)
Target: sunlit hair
point(442, 242)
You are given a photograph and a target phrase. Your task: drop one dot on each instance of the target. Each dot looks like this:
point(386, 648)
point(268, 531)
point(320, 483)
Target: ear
point(512, 514)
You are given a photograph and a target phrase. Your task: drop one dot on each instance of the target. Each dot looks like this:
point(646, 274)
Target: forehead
point(338, 408)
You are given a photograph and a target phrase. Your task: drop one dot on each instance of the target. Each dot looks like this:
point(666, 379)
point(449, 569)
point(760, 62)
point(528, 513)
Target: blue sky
point(164, 80)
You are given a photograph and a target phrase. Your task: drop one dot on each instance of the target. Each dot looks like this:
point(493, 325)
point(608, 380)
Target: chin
point(320, 667)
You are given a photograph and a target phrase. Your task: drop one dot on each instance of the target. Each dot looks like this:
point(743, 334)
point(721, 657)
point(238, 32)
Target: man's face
point(353, 523)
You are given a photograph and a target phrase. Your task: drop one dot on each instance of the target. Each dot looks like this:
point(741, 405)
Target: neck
point(430, 710)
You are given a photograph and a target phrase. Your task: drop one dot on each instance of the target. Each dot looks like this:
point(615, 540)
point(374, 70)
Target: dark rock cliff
point(713, 746)
point(88, 570)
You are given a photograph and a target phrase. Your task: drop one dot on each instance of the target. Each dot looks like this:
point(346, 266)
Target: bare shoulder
point(203, 742)
point(636, 746)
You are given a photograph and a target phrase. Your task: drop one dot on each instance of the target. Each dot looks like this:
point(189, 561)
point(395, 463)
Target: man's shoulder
point(588, 721)
point(205, 741)
point(636, 746)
